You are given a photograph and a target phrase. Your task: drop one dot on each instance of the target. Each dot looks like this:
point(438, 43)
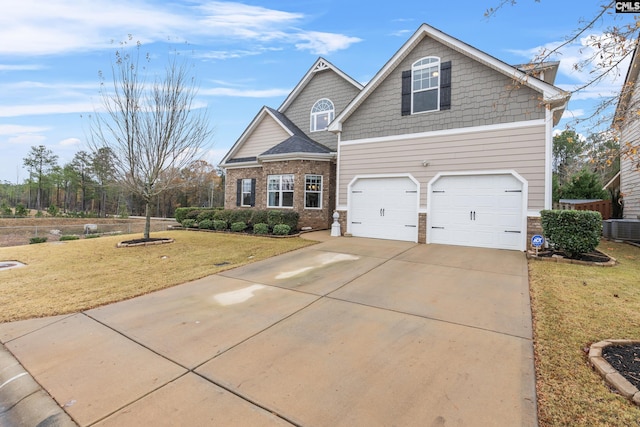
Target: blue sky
point(246, 54)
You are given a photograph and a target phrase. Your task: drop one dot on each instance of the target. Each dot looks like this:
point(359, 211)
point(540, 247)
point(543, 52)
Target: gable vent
point(321, 66)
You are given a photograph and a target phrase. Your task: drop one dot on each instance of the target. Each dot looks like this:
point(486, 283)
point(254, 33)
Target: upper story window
point(425, 85)
point(321, 114)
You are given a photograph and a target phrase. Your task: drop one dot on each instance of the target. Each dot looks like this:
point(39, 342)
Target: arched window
point(321, 114)
point(425, 85)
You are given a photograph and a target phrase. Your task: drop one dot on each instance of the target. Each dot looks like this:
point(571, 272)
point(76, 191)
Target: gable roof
point(298, 142)
point(321, 64)
point(552, 95)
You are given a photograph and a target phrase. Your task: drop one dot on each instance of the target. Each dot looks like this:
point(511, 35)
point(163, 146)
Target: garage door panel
point(477, 210)
point(384, 208)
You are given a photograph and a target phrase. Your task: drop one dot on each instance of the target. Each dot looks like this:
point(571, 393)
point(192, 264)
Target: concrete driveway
point(349, 332)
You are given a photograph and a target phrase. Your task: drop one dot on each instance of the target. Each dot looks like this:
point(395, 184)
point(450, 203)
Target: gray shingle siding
point(325, 84)
point(479, 96)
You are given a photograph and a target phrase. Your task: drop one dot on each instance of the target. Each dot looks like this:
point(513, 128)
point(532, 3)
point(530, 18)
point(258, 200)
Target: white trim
point(314, 191)
point(533, 214)
point(447, 132)
point(548, 153)
point(321, 157)
point(240, 165)
point(525, 198)
point(436, 88)
point(356, 178)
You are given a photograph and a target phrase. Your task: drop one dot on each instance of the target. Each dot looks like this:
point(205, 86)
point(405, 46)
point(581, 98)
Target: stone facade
point(318, 219)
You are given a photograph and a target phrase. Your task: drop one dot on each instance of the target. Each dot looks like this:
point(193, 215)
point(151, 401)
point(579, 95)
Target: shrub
point(289, 218)
point(188, 223)
point(573, 232)
point(281, 229)
point(20, 210)
point(5, 210)
point(91, 236)
point(181, 214)
point(35, 240)
point(53, 210)
point(223, 215)
point(68, 237)
point(240, 215)
point(260, 228)
point(238, 226)
point(259, 217)
point(206, 224)
point(39, 214)
point(220, 224)
point(206, 214)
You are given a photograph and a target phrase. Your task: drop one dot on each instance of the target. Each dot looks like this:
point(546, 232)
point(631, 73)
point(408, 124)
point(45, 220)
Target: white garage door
point(384, 208)
point(478, 210)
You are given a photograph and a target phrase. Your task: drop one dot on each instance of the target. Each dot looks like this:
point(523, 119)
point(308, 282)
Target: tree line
point(88, 186)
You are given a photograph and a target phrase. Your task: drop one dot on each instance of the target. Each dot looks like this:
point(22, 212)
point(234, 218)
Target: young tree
point(152, 128)
point(40, 160)
point(104, 171)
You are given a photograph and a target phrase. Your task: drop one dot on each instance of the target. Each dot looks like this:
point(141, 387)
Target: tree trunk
point(147, 223)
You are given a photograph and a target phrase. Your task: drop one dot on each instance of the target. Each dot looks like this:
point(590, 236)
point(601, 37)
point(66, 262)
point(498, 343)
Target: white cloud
point(244, 93)
point(70, 142)
point(27, 139)
point(20, 67)
point(324, 43)
point(40, 109)
point(68, 26)
point(19, 129)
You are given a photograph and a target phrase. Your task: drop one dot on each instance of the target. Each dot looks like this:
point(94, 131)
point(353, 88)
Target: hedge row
point(574, 232)
point(223, 219)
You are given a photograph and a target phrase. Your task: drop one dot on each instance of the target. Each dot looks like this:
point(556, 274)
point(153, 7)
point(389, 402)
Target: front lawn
point(66, 277)
point(574, 306)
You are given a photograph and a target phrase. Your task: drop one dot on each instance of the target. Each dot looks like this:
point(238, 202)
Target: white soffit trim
point(448, 132)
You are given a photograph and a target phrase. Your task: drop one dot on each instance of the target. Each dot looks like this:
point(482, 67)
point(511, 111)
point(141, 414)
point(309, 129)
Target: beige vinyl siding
point(267, 134)
point(629, 175)
point(520, 149)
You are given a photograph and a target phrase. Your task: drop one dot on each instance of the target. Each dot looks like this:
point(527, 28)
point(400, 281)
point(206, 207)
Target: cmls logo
point(627, 6)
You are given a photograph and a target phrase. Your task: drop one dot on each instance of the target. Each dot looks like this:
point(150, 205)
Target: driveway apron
point(348, 332)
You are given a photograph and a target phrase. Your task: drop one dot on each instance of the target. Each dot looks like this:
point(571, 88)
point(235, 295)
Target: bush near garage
point(281, 229)
point(573, 232)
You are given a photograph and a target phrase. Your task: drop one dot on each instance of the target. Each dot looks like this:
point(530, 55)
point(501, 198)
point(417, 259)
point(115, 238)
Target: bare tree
point(152, 128)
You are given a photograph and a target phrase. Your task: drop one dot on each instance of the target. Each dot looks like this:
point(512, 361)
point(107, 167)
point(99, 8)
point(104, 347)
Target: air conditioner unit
point(621, 229)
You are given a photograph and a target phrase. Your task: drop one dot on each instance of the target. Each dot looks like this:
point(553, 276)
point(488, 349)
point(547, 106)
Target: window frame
point(314, 191)
point(243, 192)
point(280, 191)
point(316, 112)
point(434, 62)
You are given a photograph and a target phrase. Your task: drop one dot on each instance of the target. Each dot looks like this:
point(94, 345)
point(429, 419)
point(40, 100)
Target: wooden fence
point(602, 206)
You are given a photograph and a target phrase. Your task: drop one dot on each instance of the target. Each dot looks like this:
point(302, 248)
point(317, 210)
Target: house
point(627, 124)
point(445, 144)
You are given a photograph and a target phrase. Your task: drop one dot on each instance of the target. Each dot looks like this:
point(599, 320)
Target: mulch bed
point(626, 360)
point(595, 256)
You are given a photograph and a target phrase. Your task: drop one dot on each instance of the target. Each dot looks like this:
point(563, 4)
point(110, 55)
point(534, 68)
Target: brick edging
point(612, 261)
point(609, 373)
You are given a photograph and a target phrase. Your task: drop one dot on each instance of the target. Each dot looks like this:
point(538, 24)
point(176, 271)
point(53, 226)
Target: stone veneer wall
point(318, 219)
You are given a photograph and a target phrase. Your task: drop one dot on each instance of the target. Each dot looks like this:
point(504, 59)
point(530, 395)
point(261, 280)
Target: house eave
point(297, 156)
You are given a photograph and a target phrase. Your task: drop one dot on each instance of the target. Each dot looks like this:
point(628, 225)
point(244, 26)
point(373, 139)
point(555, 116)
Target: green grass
point(66, 277)
point(574, 306)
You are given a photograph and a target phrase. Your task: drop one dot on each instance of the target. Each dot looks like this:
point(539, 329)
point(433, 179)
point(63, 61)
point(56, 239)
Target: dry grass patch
point(574, 306)
point(66, 277)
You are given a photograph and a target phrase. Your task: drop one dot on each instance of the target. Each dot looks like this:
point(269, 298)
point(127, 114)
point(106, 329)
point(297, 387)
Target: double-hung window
point(280, 191)
point(425, 85)
point(313, 192)
point(246, 192)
